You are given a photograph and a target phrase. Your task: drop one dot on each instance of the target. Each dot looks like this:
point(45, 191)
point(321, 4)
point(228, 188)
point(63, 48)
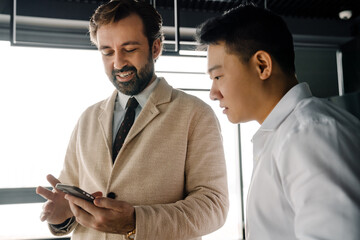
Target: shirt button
point(111, 195)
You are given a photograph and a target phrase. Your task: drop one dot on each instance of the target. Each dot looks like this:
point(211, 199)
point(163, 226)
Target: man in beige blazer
point(168, 180)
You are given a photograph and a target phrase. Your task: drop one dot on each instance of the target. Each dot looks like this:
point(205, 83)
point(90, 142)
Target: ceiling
point(320, 9)
point(314, 22)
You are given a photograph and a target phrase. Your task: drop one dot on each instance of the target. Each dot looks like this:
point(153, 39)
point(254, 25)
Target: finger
point(86, 205)
point(74, 209)
point(97, 194)
point(45, 193)
point(52, 180)
point(109, 203)
point(44, 216)
point(82, 217)
point(46, 210)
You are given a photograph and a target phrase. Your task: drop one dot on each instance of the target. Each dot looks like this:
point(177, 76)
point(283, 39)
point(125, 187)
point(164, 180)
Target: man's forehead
point(216, 54)
point(216, 50)
point(122, 33)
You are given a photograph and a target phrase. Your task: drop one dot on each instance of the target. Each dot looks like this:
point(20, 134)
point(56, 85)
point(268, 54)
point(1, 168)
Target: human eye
point(107, 52)
point(130, 50)
point(216, 77)
point(216, 74)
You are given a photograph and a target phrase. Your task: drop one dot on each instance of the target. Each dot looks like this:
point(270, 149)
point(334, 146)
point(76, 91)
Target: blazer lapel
point(106, 120)
point(160, 95)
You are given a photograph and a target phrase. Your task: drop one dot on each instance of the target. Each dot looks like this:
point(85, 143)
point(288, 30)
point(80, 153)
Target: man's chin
point(132, 87)
point(129, 92)
point(124, 87)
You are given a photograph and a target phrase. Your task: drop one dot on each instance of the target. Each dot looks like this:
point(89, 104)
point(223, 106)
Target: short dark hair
point(247, 29)
point(116, 10)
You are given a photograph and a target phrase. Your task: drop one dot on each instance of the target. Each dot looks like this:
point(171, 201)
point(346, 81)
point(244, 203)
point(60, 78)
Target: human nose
point(119, 61)
point(215, 94)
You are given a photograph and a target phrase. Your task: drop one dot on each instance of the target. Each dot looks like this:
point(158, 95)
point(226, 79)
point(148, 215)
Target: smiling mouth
point(124, 76)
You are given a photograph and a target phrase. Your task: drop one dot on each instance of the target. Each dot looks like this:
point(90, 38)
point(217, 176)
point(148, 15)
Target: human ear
point(156, 48)
point(263, 63)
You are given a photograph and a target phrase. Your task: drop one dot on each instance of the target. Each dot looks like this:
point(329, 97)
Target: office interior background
point(50, 73)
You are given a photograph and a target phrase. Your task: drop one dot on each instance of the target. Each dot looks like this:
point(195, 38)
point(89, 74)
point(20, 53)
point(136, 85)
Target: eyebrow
point(130, 43)
point(214, 68)
point(124, 44)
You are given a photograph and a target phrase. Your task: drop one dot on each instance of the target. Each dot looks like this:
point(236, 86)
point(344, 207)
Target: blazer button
point(111, 195)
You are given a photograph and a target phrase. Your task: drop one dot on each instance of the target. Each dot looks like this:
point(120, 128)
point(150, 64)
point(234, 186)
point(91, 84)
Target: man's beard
point(139, 82)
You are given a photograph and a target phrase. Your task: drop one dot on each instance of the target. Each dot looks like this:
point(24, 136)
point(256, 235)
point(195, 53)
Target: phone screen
point(75, 191)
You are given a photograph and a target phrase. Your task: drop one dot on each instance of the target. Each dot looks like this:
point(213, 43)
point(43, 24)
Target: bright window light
point(43, 91)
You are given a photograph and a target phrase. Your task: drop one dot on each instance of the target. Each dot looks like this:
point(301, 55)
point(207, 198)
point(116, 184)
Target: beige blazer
point(171, 166)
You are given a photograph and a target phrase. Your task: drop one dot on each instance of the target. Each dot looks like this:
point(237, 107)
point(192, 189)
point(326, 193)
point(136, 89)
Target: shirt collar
point(285, 106)
point(141, 97)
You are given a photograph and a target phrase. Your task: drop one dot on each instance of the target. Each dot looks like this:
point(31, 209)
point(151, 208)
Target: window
point(37, 91)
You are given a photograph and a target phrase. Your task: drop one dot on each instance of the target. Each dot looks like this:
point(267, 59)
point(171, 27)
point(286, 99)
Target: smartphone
point(75, 191)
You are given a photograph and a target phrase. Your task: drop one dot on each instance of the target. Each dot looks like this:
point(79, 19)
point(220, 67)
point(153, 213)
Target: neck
point(273, 90)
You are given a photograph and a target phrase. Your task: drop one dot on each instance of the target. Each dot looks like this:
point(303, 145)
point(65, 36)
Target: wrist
point(58, 222)
point(62, 224)
point(131, 235)
point(63, 227)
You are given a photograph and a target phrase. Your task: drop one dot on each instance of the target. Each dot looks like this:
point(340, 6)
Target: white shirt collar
point(285, 106)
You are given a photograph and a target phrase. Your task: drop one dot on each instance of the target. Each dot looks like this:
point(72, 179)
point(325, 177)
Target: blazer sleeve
point(205, 205)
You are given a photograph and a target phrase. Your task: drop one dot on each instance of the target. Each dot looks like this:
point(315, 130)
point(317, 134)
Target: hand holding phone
point(75, 191)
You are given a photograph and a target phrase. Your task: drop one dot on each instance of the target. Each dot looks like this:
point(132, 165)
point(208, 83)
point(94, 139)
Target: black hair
point(247, 29)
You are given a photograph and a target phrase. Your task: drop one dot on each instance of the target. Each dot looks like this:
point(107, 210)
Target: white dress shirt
point(121, 101)
point(306, 177)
